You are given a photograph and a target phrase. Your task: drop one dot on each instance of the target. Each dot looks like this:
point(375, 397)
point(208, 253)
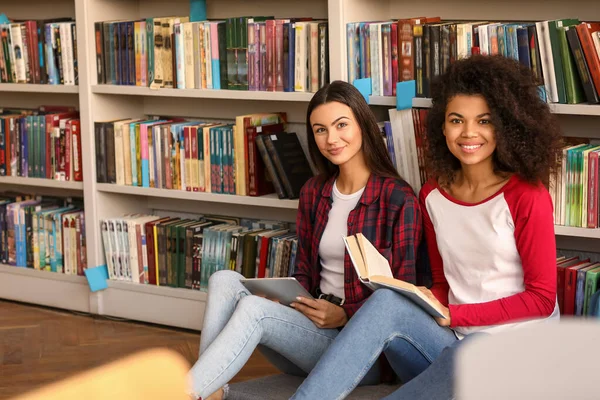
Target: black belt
point(330, 298)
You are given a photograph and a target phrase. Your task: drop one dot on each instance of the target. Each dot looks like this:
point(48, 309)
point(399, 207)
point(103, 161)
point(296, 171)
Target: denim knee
point(387, 300)
point(223, 278)
point(254, 306)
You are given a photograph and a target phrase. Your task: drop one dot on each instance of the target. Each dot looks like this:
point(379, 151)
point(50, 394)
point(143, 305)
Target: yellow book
point(137, 32)
point(243, 122)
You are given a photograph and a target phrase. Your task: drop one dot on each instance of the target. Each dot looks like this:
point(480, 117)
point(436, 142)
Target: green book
point(150, 49)
point(573, 88)
point(591, 286)
point(556, 54)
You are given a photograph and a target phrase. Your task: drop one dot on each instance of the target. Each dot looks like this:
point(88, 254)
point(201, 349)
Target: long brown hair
point(375, 152)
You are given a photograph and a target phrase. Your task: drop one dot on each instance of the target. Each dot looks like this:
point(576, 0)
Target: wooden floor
point(40, 346)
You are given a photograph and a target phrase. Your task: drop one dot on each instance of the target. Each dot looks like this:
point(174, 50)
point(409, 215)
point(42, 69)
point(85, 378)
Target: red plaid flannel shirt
point(387, 214)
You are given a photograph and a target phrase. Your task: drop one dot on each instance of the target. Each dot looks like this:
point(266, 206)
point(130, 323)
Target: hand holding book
point(441, 321)
point(374, 271)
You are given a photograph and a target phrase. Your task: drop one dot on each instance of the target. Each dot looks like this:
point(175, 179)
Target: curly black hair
point(528, 135)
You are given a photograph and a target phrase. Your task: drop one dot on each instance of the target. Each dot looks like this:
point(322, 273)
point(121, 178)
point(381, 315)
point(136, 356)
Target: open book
point(374, 271)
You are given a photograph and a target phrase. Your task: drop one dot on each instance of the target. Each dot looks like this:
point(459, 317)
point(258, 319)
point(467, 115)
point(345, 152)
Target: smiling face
point(470, 134)
point(337, 133)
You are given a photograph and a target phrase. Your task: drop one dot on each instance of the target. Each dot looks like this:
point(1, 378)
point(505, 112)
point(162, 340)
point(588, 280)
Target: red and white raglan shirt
point(493, 263)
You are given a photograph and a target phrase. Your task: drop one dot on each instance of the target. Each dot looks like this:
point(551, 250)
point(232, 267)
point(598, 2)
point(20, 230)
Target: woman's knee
point(387, 299)
point(223, 278)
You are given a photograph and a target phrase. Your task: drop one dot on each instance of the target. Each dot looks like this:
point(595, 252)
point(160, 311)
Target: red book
point(571, 288)
point(52, 123)
point(68, 150)
point(7, 144)
point(76, 150)
point(264, 255)
point(584, 31)
point(256, 174)
point(271, 62)
point(195, 162)
point(34, 55)
point(406, 48)
point(560, 279)
point(188, 158)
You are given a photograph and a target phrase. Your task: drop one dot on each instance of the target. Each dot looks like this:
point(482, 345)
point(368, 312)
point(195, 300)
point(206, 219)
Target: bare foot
point(218, 395)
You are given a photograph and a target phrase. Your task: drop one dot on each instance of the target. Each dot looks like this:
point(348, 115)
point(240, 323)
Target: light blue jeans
point(236, 323)
point(410, 339)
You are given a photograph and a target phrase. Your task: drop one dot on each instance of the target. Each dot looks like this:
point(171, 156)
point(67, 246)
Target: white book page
point(376, 263)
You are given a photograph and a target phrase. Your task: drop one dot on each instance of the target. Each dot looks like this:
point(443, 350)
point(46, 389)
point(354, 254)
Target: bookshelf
point(31, 88)
point(99, 102)
point(202, 93)
point(41, 183)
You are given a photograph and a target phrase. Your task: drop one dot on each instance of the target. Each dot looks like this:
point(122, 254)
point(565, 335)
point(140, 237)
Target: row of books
point(564, 54)
point(577, 282)
point(181, 252)
point(245, 53)
point(574, 186)
point(41, 143)
point(253, 156)
point(404, 137)
point(43, 233)
point(39, 51)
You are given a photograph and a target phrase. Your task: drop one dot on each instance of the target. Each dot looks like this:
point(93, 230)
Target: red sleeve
point(440, 285)
point(532, 212)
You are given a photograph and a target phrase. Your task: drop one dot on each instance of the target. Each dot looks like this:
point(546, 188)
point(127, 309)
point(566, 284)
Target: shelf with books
point(38, 182)
point(577, 232)
point(576, 109)
point(202, 93)
point(46, 288)
point(183, 308)
point(263, 201)
point(565, 109)
point(35, 88)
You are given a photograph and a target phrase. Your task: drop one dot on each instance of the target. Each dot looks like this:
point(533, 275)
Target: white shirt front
point(331, 247)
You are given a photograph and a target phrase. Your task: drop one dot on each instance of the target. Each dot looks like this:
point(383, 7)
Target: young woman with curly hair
point(488, 224)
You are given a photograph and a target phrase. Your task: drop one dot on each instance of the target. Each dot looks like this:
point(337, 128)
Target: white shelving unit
point(201, 94)
point(41, 183)
point(270, 201)
point(45, 288)
point(29, 88)
point(180, 307)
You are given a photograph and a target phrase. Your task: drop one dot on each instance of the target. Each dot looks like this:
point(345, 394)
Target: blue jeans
point(410, 339)
point(236, 323)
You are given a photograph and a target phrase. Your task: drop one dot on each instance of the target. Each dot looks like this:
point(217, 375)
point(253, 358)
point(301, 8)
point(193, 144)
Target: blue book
point(291, 57)
point(389, 139)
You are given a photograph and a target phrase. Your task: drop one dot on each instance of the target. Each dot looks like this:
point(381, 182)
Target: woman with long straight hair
point(357, 190)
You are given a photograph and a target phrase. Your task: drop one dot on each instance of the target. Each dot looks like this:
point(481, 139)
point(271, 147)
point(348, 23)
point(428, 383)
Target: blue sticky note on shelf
point(364, 87)
point(197, 10)
point(4, 19)
point(97, 277)
point(405, 93)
